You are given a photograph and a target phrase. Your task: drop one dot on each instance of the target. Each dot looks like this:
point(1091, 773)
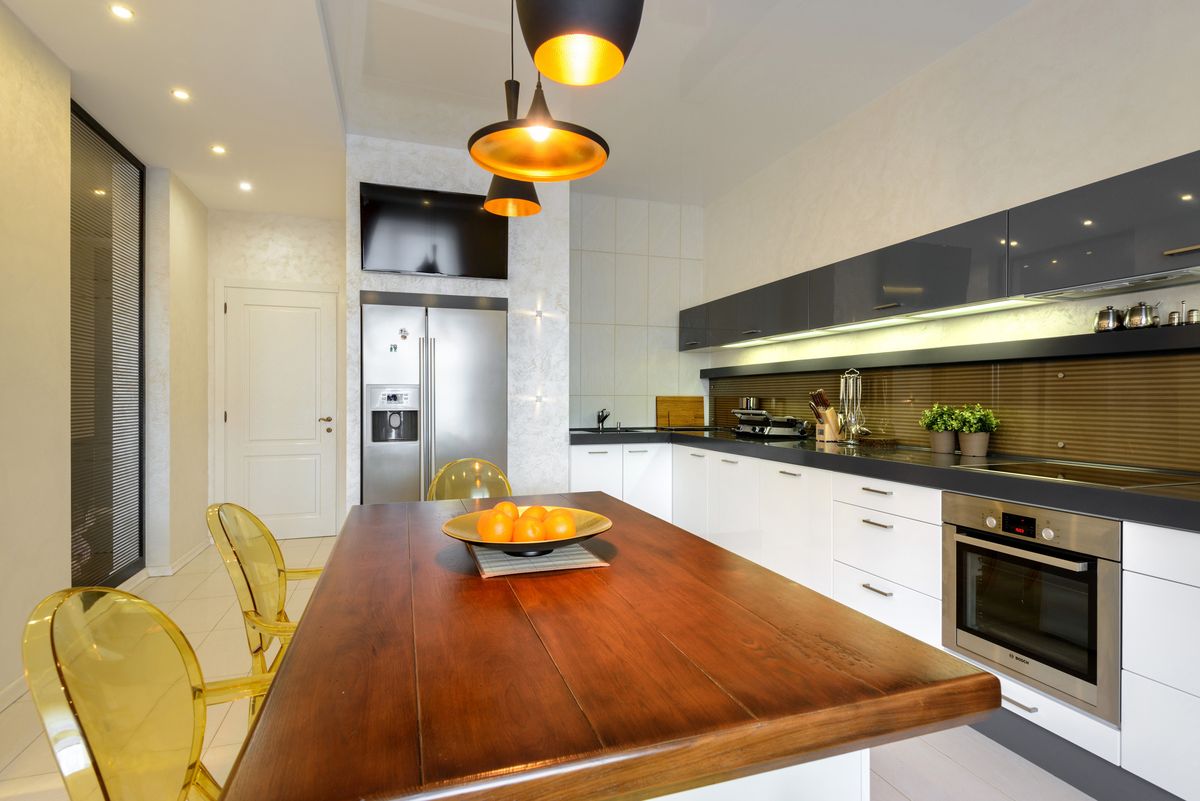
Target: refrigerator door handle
point(433, 464)
point(421, 419)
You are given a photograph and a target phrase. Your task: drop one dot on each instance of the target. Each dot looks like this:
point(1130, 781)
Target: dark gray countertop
point(1173, 506)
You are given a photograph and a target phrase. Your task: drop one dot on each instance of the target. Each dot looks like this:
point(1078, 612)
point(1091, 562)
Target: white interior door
point(280, 379)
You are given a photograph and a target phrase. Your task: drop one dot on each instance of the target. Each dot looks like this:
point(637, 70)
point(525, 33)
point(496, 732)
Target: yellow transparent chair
point(260, 576)
point(468, 478)
point(122, 698)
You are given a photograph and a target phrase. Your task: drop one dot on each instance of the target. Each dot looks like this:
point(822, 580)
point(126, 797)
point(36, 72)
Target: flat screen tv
point(431, 233)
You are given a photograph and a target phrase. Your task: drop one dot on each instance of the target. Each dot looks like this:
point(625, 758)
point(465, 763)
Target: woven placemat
point(497, 563)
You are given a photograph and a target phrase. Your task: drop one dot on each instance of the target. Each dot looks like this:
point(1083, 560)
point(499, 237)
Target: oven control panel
point(1095, 536)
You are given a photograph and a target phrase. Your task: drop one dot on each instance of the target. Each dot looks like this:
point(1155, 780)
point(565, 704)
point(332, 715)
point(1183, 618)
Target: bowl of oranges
point(526, 530)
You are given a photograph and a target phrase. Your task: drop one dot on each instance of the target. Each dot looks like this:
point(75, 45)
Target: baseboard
point(11, 692)
point(174, 567)
point(1076, 766)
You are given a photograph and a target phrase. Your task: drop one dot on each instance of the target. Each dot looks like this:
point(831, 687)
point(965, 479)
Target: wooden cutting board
point(679, 410)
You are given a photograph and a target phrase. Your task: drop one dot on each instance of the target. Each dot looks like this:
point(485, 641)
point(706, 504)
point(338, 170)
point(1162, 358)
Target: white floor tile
point(223, 654)
point(1011, 774)
point(162, 589)
point(36, 760)
point(216, 585)
point(205, 562)
point(232, 619)
point(233, 728)
point(199, 616)
point(219, 760)
point(921, 772)
point(216, 715)
point(882, 791)
point(19, 726)
point(297, 553)
point(48, 787)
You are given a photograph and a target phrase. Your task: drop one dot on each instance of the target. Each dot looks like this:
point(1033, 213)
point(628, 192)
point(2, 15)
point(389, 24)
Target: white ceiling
point(714, 89)
point(260, 83)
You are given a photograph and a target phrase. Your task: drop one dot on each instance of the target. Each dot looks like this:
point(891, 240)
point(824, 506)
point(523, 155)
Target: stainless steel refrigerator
point(434, 389)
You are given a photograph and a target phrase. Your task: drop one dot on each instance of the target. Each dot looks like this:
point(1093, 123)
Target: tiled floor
point(200, 599)
point(947, 766)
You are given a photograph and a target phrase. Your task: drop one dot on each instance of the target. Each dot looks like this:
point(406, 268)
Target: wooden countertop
point(678, 666)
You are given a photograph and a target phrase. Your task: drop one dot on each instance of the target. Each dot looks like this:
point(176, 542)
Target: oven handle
point(1053, 561)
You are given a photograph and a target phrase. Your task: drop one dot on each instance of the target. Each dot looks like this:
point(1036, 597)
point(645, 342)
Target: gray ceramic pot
point(941, 441)
point(974, 444)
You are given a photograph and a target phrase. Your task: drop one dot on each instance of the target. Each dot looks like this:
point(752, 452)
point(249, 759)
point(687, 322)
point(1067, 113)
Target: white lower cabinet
point(795, 515)
point(885, 544)
point(1062, 719)
point(733, 514)
point(596, 468)
point(1153, 644)
point(1158, 735)
point(646, 478)
point(689, 489)
point(893, 604)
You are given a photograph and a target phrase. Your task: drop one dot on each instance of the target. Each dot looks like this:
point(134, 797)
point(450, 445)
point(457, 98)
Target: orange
point(536, 512)
point(559, 526)
point(528, 529)
point(494, 527)
point(507, 508)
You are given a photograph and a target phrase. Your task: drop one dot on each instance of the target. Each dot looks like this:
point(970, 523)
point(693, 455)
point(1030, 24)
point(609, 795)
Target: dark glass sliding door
point(107, 186)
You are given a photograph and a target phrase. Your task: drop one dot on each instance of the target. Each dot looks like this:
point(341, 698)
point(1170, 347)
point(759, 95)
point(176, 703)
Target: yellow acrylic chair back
point(468, 478)
point(256, 566)
point(121, 696)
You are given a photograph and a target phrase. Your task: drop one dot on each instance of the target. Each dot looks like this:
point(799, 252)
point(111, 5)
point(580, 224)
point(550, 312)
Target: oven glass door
point(1036, 603)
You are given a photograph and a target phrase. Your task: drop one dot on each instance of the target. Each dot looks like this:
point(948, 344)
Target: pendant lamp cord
point(512, 38)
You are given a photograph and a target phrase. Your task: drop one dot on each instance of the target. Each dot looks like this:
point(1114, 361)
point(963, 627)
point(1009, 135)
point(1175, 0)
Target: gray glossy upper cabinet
point(693, 328)
point(779, 307)
point(952, 267)
point(1138, 223)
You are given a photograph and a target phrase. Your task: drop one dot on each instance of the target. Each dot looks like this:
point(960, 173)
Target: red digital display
point(1018, 524)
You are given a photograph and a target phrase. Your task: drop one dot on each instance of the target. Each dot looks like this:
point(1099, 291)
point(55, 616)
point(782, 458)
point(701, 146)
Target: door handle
point(729, 461)
point(1018, 704)
point(1022, 553)
point(789, 473)
point(752, 331)
point(877, 491)
point(324, 419)
point(878, 591)
point(1181, 251)
point(883, 306)
point(871, 522)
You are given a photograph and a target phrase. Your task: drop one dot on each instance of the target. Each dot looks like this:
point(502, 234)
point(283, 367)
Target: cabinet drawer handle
point(877, 491)
point(729, 461)
point(787, 473)
point(697, 455)
point(1018, 704)
point(878, 591)
point(639, 451)
point(752, 331)
point(689, 344)
point(1181, 251)
point(871, 522)
point(883, 306)
point(597, 453)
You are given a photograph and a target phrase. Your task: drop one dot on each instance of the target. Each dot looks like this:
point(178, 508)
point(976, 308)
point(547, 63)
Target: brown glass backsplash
point(1134, 410)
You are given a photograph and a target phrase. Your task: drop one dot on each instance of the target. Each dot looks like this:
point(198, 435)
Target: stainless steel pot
point(1108, 319)
point(749, 402)
point(1140, 315)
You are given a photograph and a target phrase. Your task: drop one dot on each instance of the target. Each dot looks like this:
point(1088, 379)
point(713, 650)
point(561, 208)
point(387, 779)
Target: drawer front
point(689, 489)
point(1158, 737)
point(646, 478)
point(596, 468)
point(896, 548)
point(1062, 719)
point(1154, 645)
point(917, 503)
point(1163, 552)
point(892, 604)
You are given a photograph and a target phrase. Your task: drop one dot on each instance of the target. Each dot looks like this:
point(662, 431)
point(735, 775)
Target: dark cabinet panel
point(1139, 223)
point(952, 267)
point(693, 328)
point(779, 307)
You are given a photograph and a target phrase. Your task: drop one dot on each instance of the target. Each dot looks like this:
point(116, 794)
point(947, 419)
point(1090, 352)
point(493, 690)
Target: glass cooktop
point(1097, 475)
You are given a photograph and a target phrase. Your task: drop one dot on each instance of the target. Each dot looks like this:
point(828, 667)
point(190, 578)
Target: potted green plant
point(941, 422)
point(975, 427)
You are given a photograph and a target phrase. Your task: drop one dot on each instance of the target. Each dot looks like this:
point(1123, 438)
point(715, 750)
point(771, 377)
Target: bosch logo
point(1022, 660)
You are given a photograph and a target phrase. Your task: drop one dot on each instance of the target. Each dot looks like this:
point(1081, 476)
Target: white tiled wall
point(634, 265)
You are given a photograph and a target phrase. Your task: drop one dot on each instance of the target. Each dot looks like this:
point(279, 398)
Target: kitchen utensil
point(587, 525)
point(748, 402)
point(1108, 319)
point(1140, 315)
point(822, 399)
point(1193, 316)
point(1175, 318)
point(816, 412)
point(850, 397)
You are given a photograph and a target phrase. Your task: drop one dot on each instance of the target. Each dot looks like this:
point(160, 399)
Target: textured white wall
point(1060, 94)
point(634, 265)
point(538, 266)
point(35, 360)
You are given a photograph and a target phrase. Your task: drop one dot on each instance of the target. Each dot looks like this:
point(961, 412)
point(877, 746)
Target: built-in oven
point(1036, 594)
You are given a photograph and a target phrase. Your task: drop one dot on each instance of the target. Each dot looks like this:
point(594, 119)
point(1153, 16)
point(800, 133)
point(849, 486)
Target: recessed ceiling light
point(121, 11)
point(1003, 241)
point(218, 149)
point(1087, 222)
point(245, 186)
point(1186, 197)
point(181, 94)
point(1014, 243)
point(100, 192)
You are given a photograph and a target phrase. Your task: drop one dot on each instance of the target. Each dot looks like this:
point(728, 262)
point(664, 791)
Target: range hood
point(1163, 280)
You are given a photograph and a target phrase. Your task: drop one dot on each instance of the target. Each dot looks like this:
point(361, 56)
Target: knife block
point(829, 431)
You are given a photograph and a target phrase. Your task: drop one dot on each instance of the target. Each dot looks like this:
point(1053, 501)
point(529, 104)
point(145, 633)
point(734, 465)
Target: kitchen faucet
point(601, 416)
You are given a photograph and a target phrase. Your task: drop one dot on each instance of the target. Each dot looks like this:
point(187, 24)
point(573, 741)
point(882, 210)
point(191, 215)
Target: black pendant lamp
point(536, 147)
point(580, 42)
point(507, 197)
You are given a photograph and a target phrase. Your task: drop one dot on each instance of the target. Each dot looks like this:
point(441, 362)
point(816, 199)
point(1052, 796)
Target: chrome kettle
point(1140, 315)
point(1108, 319)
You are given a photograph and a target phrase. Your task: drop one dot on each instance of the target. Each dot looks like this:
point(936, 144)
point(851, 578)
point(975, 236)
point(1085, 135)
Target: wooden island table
point(682, 665)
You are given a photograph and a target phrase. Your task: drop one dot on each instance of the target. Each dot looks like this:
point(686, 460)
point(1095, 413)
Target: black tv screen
point(431, 233)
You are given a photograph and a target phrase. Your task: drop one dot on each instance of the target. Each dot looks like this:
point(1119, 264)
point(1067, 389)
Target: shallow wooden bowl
point(587, 525)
